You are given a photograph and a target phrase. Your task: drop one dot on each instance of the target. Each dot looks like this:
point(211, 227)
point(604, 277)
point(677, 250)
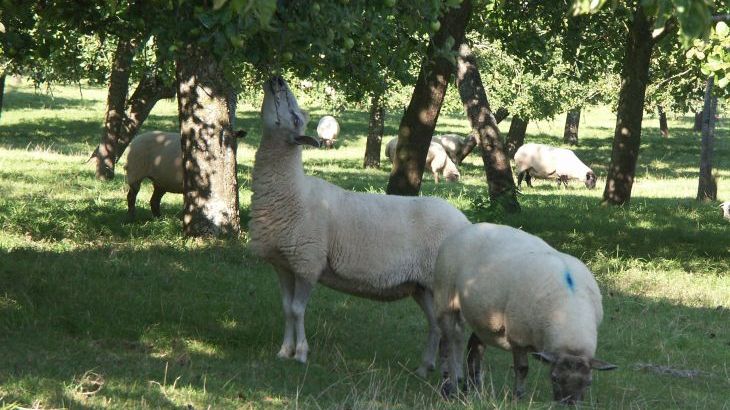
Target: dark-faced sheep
point(328, 129)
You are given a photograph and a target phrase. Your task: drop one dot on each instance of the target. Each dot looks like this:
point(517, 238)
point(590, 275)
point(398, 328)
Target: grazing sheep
point(156, 155)
point(519, 294)
point(436, 160)
point(381, 247)
point(328, 129)
point(454, 146)
point(725, 206)
point(544, 161)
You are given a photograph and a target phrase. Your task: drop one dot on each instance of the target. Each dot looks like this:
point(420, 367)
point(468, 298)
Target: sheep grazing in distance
point(547, 162)
point(454, 146)
point(382, 247)
point(437, 161)
point(725, 206)
point(534, 300)
point(328, 129)
point(156, 155)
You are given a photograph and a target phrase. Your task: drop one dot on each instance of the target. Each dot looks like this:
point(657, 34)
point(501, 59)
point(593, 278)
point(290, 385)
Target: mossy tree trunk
point(707, 188)
point(516, 135)
point(419, 120)
point(210, 184)
point(663, 126)
point(115, 106)
point(627, 135)
point(572, 122)
point(376, 128)
point(502, 189)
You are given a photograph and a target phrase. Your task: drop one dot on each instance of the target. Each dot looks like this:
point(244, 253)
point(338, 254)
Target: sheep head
point(281, 115)
point(570, 374)
point(591, 180)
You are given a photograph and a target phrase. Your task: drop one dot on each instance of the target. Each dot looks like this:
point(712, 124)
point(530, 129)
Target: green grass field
point(99, 313)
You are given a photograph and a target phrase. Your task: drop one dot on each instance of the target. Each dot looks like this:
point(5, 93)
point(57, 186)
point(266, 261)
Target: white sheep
point(454, 146)
point(519, 294)
point(547, 162)
point(156, 155)
point(377, 246)
point(437, 161)
point(725, 206)
point(328, 129)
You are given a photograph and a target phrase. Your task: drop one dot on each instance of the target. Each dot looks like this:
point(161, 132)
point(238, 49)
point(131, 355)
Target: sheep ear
point(598, 364)
point(545, 357)
point(307, 140)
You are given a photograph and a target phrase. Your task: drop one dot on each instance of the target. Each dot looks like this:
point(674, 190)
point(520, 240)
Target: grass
point(98, 313)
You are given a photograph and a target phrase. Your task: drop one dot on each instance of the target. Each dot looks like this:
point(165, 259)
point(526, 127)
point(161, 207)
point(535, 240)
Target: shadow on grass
point(16, 99)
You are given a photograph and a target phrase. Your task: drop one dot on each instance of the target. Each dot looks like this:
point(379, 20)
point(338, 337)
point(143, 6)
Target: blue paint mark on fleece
point(569, 280)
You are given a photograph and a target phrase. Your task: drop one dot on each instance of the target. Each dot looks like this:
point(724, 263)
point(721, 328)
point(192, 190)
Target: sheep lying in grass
point(454, 146)
point(725, 206)
point(156, 155)
point(436, 160)
point(328, 129)
point(544, 161)
point(381, 247)
point(535, 300)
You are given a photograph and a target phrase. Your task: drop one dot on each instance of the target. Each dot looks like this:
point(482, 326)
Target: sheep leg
point(132, 199)
point(528, 179)
point(436, 176)
point(519, 357)
point(424, 298)
point(474, 354)
point(286, 285)
point(302, 290)
point(519, 178)
point(156, 199)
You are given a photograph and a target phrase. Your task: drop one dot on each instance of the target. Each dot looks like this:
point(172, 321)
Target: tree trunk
point(115, 105)
point(663, 126)
point(497, 168)
point(572, 121)
point(516, 135)
point(698, 122)
point(627, 136)
point(210, 185)
point(500, 114)
point(148, 92)
point(707, 189)
point(376, 127)
point(2, 92)
point(419, 120)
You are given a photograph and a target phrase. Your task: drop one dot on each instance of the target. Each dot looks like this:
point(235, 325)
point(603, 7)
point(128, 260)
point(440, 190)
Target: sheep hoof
point(286, 352)
point(301, 355)
point(424, 369)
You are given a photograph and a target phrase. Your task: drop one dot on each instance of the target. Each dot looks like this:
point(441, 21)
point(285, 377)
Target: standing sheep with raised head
point(381, 247)
point(725, 206)
point(454, 146)
point(156, 155)
point(518, 293)
point(436, 160)
point(328, 129)
point(547, 162)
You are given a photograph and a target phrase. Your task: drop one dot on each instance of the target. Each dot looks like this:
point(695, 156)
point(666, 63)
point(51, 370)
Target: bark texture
point(502, 189)
point(516, 135)
point(707, 188)
point(115, 106)
point(376, 127)
point(210, 184)
point(698, 122)
point(419, 120)
point(663, 126)
point(572, 122)
point(2, 92)
point(627, 136)
point(500, 114)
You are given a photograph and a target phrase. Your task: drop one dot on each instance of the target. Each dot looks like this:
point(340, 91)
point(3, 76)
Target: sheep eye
point(296, 119)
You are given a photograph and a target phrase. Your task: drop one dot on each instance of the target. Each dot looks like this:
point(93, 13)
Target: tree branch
point(670, 26)
point(721, 17)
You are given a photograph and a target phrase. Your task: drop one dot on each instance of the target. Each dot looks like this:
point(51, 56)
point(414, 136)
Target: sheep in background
point(156, 155)
point(328, 129)
point(436, 160)
point(544, 161)
point(534, 300)
point(725, 206)
point(377, 246)
point(454, 146)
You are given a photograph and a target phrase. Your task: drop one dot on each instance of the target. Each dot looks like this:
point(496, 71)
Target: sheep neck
point(277, 171)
